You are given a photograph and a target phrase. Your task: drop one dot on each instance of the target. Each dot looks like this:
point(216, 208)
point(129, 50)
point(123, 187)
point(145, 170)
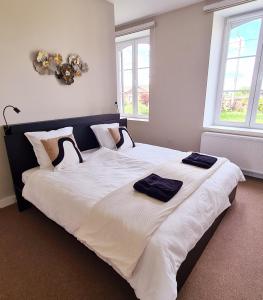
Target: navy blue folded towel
point(200, 160)
point(158, 187)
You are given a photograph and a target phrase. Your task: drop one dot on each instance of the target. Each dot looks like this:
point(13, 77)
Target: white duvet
point(119, 227)
point(66, 197)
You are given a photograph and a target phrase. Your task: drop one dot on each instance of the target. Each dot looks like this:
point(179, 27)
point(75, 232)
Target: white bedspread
point(62, 196)
point(119, 226)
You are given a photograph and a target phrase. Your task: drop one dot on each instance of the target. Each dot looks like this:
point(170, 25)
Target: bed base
point(193, 256)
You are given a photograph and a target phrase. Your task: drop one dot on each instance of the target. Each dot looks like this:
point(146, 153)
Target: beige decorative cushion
point(63, 151)
point(51, 146)
point(115, 134)
point(121, 138)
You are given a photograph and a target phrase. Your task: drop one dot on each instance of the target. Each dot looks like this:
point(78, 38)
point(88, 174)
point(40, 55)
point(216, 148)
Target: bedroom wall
point(180, 57)
point(85, 27)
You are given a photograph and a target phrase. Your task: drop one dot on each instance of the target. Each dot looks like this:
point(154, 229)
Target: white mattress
point(63, 198)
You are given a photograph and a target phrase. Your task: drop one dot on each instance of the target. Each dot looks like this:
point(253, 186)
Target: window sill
point(136, 119)
point(235, 130)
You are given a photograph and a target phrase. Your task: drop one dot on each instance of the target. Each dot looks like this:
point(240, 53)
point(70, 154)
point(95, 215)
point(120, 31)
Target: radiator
point(246, 152)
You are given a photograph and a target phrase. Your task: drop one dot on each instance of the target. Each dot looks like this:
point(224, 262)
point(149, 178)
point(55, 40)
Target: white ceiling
point(130, 10)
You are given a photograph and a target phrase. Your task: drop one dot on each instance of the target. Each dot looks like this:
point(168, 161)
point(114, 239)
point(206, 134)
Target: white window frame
point(119, 47)
point(250, 121)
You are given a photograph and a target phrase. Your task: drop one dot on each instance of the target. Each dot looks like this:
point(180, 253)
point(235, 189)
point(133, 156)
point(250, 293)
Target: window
point(133, 73)
point(240, 89)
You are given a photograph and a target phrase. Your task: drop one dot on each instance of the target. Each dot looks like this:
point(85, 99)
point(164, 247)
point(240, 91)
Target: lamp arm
point(4, 114)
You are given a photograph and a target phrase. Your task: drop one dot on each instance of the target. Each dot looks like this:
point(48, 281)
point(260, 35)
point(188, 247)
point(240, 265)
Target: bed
point(171, 253)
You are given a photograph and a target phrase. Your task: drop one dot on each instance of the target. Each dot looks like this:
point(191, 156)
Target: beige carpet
point(231, 266)
point(39, 260)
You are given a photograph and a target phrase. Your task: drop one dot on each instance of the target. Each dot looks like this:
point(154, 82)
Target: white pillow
point(103, 136)
point(35, 140)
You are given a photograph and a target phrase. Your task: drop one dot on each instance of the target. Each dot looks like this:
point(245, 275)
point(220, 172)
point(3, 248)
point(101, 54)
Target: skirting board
point(253, 174)
point(7, 201)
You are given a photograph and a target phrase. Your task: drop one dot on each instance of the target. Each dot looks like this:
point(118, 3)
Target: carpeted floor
point(231, 267)
point(39, 260)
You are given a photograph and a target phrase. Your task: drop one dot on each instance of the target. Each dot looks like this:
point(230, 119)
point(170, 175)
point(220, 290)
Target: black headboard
point(20, 152)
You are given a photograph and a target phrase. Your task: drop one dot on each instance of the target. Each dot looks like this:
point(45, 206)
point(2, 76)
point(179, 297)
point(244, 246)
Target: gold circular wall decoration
point(52, 64)
point(66, 73)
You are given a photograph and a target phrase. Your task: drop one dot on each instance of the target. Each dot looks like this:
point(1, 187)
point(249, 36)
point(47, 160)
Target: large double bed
point(69, 198)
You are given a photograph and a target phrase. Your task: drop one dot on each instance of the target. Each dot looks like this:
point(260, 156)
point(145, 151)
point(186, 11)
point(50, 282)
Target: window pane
point(234, 106)
point(238, 75)
point(127, 92)
point(259, 115)
point(133, 76)
point(127, 58)
point(143, 55)
point(127, 80)
point(143, 102)
point(143, 91)
point(243, 40)
point(143, 78)
point(127, 103)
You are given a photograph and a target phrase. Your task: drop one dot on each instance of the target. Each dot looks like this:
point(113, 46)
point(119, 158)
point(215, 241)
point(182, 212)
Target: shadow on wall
point(6, 186)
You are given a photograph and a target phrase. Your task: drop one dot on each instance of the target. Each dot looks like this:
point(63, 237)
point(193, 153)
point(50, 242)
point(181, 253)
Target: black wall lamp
point(6, 127)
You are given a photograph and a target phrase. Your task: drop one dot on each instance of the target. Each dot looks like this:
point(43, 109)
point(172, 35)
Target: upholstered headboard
point(20, 152)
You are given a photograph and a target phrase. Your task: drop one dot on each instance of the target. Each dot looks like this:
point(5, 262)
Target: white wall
point(85, 27)
point(180, 57)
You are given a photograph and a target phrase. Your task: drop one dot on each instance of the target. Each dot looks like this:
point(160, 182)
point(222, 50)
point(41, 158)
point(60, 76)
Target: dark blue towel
point(158, 187)
point(200, 160)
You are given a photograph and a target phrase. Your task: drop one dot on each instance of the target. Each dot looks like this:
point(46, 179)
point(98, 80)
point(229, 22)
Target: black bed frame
point(21, 154)
point(21, 158)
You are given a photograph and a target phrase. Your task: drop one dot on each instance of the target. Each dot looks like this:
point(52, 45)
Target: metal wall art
point(52, 64)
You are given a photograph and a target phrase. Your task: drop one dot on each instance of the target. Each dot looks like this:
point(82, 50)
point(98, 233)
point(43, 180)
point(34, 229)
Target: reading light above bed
point(17, 110)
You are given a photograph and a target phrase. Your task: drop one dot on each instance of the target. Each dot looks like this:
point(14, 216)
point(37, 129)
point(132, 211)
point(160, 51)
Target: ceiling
point(130, 10)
